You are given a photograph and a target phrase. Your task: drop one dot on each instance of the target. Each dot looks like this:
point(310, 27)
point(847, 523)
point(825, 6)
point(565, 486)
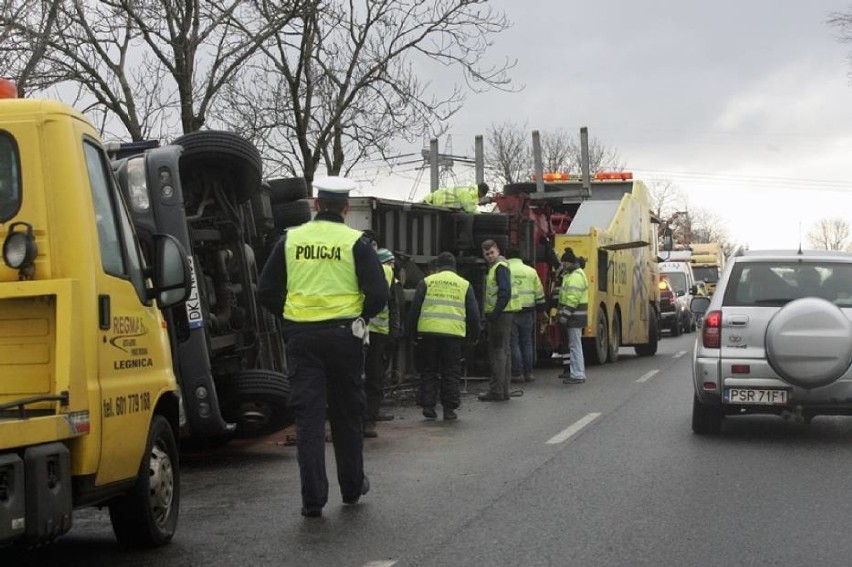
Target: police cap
point(333, 187)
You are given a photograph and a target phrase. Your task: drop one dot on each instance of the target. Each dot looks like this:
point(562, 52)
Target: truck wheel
point(706, 420)
point(291, 214)
point(650, 349)
point(598, 347)
point(256, 400)
point(287, 189)
point(493, 223)
point(614, 339)
point(147, 515)
point(222, 152)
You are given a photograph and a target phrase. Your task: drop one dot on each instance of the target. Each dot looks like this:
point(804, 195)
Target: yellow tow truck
point(89, 405)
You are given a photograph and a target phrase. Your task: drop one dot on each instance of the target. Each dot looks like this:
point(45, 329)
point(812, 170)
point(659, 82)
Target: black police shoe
point(365, 488)
point(311, 512)
point(430, 413)
point(370, 429)
point(450, 415)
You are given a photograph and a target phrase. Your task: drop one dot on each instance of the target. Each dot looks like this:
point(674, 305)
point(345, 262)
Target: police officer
point(444, 312)
point(326, 280)
point(464, 198)
point(501, 302)
point(525, 279)
point(384, 332)
point(573, 314)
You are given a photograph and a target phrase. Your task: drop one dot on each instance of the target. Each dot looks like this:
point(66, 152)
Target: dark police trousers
point(375, 366)
point(326, 367)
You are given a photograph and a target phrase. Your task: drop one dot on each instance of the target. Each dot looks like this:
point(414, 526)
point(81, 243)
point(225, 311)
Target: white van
point(679, 275)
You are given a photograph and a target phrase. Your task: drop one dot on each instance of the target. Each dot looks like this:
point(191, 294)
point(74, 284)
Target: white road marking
point(647, 376)
point(681, 353)
point(381, 563)
point(573, 429)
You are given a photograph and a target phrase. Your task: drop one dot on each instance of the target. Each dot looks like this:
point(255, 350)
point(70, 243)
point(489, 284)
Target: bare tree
point(707, 226)
point(507, 153)
point(22, 50)
point(830, 234)
point(152, 65)
point(509, 157)
point(343, 81)
point(666, 196)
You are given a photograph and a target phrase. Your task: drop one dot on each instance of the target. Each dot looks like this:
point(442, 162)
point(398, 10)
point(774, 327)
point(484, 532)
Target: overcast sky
point(745, 105)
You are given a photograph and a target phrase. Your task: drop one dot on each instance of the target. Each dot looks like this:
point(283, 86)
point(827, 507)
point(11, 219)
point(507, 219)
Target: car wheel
point(676, 327)
point(147, 515)
point(706, 420)
point(614, 339)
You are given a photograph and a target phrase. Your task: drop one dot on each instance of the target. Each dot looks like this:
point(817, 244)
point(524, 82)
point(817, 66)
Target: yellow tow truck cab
point(708, 263)
point(88, 398)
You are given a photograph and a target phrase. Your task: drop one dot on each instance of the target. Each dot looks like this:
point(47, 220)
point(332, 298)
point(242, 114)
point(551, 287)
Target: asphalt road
point(604, 473)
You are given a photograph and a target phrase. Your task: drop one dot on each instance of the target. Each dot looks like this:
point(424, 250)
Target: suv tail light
point(711, 330)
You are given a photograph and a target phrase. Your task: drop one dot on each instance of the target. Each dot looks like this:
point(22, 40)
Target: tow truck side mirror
point(668, 240)
point(172, 276)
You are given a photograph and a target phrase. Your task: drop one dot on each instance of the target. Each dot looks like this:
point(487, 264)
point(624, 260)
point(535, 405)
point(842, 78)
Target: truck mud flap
point(12, 498)
point(48, 491)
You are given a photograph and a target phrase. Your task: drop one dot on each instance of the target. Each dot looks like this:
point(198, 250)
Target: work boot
point(365, 488)
point(565, 376)
point(370, 429)
point(529, 377)
point(311, 512)
point(517, 377)
point(492, 397)
point(430, 413)
point(570, 380)
point(450, 415)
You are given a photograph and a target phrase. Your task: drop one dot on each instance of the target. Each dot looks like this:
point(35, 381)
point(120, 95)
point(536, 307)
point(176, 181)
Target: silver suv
point(776, 338)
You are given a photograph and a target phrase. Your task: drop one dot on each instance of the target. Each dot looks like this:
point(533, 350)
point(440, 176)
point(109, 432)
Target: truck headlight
point(137, 185)
point(19, 248)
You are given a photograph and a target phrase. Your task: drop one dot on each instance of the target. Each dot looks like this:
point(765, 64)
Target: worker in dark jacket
point(384, 332)
point(326, 281)
point(501, 303)
point(443, 313)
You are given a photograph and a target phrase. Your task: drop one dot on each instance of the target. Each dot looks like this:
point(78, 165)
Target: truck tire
point(287, 189)
point(491, 223)
point(256, 400)
point(291, 214)
point(222, 151)
point(147, 515)
point(614, 339)
point(597, 348)
point(650, 349)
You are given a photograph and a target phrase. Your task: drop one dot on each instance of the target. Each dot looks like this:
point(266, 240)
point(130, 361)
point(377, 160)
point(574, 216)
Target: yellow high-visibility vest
point(321, 280)
point(443, 308)
point(381, 323)
point(525, 279)
point(491, 290)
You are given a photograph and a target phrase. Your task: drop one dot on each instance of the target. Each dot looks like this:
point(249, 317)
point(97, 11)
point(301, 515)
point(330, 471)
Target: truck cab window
point(10, 180)
point(119, 256)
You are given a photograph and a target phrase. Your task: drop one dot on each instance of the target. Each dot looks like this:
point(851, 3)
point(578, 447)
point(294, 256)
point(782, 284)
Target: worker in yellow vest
point(326, 281)
point(384, 332)
point(574, 315)
point(463, 198)
point(444, 313)
point(501, 303)
point(525, 279)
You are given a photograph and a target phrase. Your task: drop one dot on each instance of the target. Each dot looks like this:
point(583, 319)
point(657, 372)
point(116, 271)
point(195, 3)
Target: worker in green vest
point(444, 314)
point(462, 198)
point(525, 279)
point(384, 332)
point(326, 281)
point(501, 303)
point(574, 315)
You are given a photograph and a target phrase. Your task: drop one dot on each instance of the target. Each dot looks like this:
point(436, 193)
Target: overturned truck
point(206, 189)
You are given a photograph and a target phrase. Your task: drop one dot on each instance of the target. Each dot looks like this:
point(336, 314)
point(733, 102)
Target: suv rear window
point(10, 179)
point(777, 283)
